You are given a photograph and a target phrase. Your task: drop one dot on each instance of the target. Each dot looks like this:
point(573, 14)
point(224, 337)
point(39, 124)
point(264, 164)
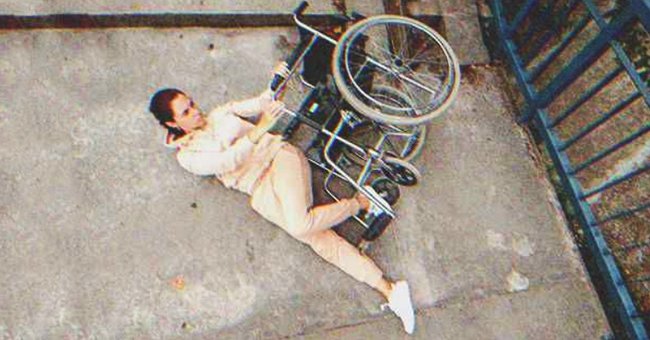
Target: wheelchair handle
point(275, 83)
point(295, 55)
point(301, 8)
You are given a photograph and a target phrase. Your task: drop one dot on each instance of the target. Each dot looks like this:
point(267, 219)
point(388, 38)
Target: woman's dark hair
point(160, 106)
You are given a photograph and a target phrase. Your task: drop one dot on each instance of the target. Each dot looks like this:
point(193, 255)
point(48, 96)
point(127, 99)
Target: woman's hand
point(271, 112)
point(265, 98)
point(282, 69)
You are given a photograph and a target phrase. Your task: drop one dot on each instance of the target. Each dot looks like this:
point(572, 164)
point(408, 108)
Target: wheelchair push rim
point(398, 52)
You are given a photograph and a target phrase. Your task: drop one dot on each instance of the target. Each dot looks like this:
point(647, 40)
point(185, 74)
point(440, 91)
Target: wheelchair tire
point(400, 172)
point(416, 76)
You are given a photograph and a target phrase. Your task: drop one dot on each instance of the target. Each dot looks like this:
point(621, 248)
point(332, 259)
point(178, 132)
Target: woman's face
point(187, 114)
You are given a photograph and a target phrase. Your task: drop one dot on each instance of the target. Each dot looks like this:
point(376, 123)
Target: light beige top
point(223, 149)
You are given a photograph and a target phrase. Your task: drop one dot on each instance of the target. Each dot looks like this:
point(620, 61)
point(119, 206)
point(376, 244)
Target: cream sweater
point(222, 148)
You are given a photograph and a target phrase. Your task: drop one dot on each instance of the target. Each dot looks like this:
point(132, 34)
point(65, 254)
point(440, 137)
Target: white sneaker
point(400, 303)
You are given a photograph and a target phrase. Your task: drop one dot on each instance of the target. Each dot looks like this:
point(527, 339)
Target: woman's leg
point(291, 181)
point(339, 252)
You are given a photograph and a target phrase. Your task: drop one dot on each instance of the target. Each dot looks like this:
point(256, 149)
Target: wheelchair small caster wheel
point(376, 226)
point(387, 189)
point(400, 172)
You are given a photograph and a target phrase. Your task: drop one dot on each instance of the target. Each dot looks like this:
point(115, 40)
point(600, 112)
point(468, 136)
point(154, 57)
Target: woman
point(277, 176)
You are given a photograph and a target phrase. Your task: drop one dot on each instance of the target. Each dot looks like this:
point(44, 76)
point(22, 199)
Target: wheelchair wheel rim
point(445, 77)
point(400, 66)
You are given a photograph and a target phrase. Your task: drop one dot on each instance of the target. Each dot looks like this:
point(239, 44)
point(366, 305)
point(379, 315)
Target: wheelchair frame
point(348, 118)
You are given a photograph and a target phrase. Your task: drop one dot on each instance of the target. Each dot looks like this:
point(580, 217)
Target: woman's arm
point(216, 162)
point(251, 108)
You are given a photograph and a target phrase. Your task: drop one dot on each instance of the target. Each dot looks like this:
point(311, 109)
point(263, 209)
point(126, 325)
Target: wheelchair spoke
point(426, 78)
point(406, 87)
point(402, 52)
point(417, 54)
point(387, 54)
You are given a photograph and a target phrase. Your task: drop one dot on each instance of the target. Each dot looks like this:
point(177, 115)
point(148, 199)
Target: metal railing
point(585, 91)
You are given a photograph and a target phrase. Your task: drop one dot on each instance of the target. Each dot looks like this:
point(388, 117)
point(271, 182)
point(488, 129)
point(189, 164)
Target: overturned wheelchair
point(385, 78)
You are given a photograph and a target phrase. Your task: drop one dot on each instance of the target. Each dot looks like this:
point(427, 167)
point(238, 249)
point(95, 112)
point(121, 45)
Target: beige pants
point(284, 197)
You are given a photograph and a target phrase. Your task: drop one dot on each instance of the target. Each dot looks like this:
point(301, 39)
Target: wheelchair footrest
point(376, 226)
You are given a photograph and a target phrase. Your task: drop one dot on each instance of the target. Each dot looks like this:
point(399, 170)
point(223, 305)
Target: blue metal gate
point(571, 60)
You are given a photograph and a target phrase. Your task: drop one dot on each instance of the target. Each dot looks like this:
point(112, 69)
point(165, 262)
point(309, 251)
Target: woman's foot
point(399, 301)
point(368, 206)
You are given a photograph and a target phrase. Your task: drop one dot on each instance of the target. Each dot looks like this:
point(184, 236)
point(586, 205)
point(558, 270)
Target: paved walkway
point(98, 219)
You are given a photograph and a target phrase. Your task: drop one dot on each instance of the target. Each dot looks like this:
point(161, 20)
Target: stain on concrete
point(207, 306)
point(250, 252)
point(517, 282)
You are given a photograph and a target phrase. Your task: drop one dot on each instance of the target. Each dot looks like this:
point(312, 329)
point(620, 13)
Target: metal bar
point(605, 261)
point(590, 93)
point(401, 76)
point(642, 9)
point(535, 25)
point(332, 135)
point(613, 280)
point(641, 86)
point(611, 149)
point(294, 67)
point(585, 58)
point(521, 15)
point(365, 171)
point(624, 213)
point(607, 116)
point(511, 54)
point(323, 167)
point(387, 209)
point(534, 51)
point(310, 29)
point(549, 34)
point(616, 181)
point(335, 198)
point(546, 62)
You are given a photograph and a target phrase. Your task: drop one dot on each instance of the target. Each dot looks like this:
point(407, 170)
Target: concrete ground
point(104, 236)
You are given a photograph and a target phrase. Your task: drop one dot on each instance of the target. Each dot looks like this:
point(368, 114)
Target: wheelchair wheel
point(405, 142)
point(400, 53)
point(400, 172)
